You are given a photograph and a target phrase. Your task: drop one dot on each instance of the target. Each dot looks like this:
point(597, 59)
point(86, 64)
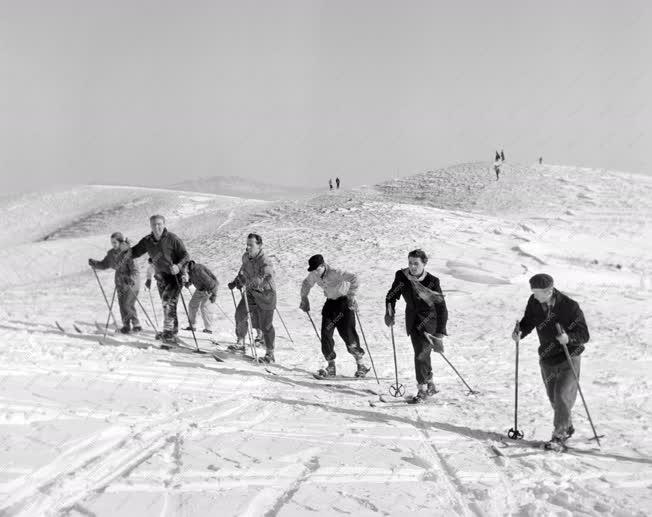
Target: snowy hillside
point(127, 429)
point(241, 187)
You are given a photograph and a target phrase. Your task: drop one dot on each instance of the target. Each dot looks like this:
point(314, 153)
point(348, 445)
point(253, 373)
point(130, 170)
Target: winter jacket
point(568, 314)
point(126, 272)
point(257, 275)
point(165, 252)
point(202, 278)
point(335, 283)
point(420, 316)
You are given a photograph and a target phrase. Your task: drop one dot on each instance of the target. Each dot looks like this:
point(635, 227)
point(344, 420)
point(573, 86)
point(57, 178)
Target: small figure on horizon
point(502, 155)
point(497, 158)
point(337, 182)
point(330, 183)
point(540, 160)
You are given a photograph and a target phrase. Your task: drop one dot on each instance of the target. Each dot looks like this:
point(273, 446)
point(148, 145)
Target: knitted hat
point(541, 281)
point(118, 236)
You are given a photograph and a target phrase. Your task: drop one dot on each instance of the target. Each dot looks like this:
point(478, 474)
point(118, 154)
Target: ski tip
point(59, 326)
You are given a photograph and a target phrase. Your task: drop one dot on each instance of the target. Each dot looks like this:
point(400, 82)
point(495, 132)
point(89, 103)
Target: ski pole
point(222, 311)
point(108, 317)
point(142, 308)
point(105, 298)
point(249, 330)
point(577, 380)
point(151, 300)
point(185, 308)
point(371, 359)
point(284, 325)
point(395, 390)
point(514, 433)
point(471, 391)
point(314, 326)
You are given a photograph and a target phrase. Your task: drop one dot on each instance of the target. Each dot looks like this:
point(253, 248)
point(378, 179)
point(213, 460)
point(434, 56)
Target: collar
point(419, 278)
point(163, 234)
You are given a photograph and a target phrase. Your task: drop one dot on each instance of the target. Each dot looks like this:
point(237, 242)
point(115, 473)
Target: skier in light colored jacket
point(340, 288)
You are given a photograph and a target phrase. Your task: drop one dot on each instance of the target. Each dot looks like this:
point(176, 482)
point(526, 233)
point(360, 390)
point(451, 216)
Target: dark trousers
point(561, 388)
point(127, 303)
point(422, 349)
point(262, 319)
point(169, 289)
point(337, 315)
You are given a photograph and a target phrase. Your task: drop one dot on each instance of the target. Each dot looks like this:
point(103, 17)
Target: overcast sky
point(155, 92)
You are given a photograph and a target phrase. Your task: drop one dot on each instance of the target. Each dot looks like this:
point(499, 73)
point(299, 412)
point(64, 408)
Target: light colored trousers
point(200, 302)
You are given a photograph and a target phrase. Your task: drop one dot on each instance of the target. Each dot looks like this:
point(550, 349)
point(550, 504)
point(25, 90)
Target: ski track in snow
point(127, 429)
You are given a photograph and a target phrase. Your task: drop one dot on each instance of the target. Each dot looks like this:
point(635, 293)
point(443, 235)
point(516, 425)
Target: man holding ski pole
point(256, 279)
point(338, 312)
point(546, 309)
point(169, 256)
point(126, 281)
point(426, 316)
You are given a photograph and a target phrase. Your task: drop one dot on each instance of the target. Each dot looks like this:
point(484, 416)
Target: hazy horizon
point(295, 92)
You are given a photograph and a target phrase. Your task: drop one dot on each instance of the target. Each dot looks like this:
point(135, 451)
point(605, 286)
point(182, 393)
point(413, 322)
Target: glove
point(305, 305)
point(148, 283)
point(563, 338)
point(436, 342)
point(352, 304)
point(231, 285)
point(516, 334)
point(389, 316)
point(130, 282)
point(174, 269)
point(91, 262)
point(213, 297)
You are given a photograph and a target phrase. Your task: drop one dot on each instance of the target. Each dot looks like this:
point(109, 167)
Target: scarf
point(427, 295)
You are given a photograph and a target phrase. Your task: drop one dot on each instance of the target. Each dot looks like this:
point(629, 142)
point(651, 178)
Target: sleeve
point(442, 311)
point(352, 279)
point(577, 331)
point(150, 271)
point(105, 263)
point(212, 276)
point(527, 322)
point(139, 249)
point(394, 292)
point(181, 252)
point(307, 284)
point(268, 270)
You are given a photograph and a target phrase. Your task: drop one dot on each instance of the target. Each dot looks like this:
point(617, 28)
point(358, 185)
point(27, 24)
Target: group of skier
point(330, 183)
point(558, 319)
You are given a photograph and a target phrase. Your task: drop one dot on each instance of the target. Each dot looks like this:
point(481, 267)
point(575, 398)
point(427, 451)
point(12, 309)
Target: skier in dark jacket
point(126, 281)
point(337, 182)
point(502, 155)
point(206, 285)
point(426, 316)
point(545, 308)
point(169, 256)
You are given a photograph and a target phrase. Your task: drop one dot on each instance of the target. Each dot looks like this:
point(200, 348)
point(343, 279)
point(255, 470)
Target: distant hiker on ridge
point(337, 182)
point(330, 183)
point(502, 155)
point(127, 281)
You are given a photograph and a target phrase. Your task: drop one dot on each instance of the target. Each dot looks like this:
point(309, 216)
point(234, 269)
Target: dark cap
point(314, 262)
point(541, 281)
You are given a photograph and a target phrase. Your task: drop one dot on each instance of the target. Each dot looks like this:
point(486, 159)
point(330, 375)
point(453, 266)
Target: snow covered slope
point(126, 429)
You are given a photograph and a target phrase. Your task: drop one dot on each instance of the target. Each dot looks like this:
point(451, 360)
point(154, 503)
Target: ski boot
point(431, 389)
point(268, 357)
point(362, 370)
point(190, 327)
point(207, 331)
point(137, 329)
point(259, 340)
point(158, 336)
point(421, 396)
point(125, 330)
point(168, 339)
point(329, 371)
point(556, 444)
point(238, 347)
